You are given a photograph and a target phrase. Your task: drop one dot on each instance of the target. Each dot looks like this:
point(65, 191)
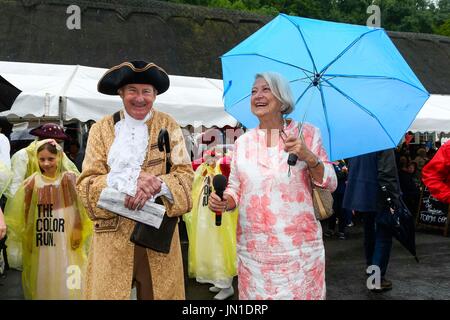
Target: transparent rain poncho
point(212, 249)
point(49, 234)
point(24, 163)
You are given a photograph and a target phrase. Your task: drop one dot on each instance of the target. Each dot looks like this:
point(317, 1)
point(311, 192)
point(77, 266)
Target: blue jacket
point(367, 173)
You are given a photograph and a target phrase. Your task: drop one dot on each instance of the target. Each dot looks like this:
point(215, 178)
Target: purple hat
point(50, 131)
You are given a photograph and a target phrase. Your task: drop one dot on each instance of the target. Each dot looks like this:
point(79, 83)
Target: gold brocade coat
point(110, 266)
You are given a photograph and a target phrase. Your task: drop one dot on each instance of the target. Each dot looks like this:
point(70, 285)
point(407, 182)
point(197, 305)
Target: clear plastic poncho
point(49, 234)
point(24, 164)
point(212, 249)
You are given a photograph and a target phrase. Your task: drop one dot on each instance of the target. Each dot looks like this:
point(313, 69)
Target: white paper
point(151, 213)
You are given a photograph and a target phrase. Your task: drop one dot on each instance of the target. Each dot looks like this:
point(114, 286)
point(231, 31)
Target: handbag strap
point(116, 117)
point(300, 135)
point(300, 129)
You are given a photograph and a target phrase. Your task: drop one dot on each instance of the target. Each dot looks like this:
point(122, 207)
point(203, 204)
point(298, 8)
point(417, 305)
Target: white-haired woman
point(279, 241)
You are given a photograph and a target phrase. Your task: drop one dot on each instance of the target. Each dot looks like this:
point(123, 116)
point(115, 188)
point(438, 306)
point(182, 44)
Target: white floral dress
point(279, 241)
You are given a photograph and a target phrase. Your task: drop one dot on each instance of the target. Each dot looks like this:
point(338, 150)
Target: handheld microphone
point(219, 183)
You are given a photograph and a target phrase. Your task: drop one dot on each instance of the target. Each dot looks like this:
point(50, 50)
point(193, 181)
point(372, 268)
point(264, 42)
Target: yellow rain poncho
point(49, 234)
point(212, 249)
point(24, 164)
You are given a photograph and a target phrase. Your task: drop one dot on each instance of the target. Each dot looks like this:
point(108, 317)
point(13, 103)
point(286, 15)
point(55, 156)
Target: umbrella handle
point(292, 159)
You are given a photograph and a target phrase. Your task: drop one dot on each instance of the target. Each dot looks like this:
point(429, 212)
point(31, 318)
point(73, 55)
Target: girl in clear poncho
point(212, 249)
point(49, 228)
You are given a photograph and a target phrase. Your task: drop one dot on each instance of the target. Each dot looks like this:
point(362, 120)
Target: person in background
point(279, 240)
point(5, 177)
point(23, 163)
point(421, 159)
point(212, 248)
point(368, 173)
point(436, 174)
point(340, 167)
point(75, 154)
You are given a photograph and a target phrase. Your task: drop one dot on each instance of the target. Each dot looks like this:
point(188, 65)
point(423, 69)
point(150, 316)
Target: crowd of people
point(268, 236)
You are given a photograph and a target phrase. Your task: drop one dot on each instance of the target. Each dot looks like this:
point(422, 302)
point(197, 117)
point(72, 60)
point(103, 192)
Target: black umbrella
point(401, 222)
point(8, 94)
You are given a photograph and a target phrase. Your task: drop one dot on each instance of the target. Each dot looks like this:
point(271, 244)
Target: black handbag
point(147, 236)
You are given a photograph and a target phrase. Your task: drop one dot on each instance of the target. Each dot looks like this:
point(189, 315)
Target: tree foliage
point(426, 16)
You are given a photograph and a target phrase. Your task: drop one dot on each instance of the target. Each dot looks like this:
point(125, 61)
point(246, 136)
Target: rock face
point(185, 40)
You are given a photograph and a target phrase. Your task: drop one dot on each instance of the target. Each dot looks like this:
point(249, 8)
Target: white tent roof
point(190, 100)
point(434, 116)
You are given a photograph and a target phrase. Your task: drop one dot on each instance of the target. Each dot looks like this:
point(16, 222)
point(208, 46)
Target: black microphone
point(219, 183)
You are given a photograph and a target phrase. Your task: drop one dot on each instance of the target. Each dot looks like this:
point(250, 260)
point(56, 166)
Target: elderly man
point(122, 153)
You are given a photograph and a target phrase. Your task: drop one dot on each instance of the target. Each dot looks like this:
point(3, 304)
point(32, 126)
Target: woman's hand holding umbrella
point(297, 146)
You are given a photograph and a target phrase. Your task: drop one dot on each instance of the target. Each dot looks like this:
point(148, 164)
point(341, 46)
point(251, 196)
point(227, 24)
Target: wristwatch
point(317, 163)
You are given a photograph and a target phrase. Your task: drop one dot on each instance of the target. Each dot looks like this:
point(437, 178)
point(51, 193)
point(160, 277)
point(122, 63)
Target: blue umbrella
point(348, 80)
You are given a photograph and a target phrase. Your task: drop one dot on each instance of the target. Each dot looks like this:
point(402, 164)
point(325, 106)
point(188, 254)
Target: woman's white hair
point(280, 89)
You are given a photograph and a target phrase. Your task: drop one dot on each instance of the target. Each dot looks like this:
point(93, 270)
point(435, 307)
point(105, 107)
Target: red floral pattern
point(279, 241)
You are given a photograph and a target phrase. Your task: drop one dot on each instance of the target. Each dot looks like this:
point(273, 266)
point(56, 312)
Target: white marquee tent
point(434, 116)
point(70, 92)
point(190, 100)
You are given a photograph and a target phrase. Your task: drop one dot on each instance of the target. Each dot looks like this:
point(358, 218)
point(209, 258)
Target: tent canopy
point(70, 92)
point(434, 116)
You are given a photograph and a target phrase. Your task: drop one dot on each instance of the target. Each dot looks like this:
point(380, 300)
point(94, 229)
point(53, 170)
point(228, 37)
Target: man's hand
point(136, 202)
point(147, 186)
point(149, 183)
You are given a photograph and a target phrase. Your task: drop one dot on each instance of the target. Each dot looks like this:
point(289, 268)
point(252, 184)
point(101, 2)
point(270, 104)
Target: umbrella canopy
point(9, 94)
point(348, 80)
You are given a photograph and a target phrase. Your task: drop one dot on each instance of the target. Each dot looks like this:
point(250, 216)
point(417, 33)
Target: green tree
point(396, 15)
point(443, 29)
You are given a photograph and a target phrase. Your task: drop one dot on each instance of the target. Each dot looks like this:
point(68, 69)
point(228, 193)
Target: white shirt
point(5, 164)
point(5, 149)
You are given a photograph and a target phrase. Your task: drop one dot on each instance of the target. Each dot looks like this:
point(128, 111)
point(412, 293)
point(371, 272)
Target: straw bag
point(322, 198)
point(323, 203)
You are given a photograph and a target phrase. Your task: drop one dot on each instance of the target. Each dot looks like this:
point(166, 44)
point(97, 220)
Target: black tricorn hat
point(133, 72)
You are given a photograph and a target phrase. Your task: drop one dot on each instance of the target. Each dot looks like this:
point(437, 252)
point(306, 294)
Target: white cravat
point(127, 153)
